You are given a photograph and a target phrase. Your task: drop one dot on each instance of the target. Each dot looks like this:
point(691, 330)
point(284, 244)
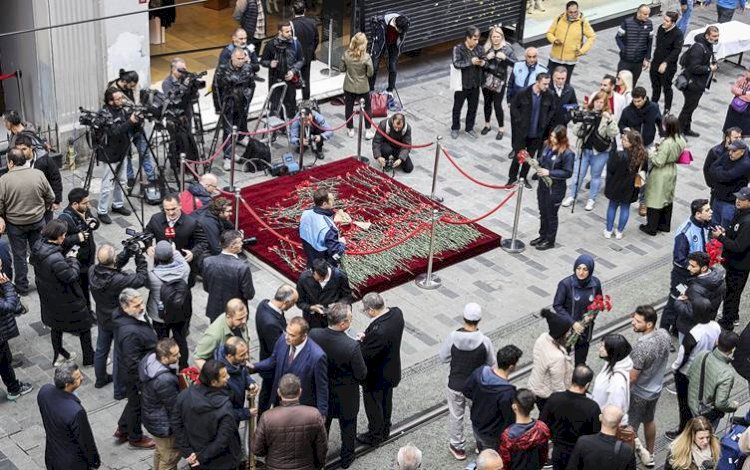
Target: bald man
point(489, 459)
point(524, 72)
point(233, 322)
point(603, 450)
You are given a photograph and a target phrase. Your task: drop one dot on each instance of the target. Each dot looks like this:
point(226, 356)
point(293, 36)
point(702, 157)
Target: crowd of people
point(313, 368)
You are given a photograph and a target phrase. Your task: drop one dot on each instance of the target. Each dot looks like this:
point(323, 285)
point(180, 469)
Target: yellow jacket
point(572, 37)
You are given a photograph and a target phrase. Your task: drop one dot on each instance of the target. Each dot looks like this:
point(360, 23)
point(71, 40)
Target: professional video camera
point(137, 242)
point(193, 79)
point(95, 119)
point(584, 116)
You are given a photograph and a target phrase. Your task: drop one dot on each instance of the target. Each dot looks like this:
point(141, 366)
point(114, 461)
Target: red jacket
point(527, 451)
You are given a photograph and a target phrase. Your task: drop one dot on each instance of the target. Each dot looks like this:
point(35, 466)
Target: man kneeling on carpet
point(318, 231)
point(387, 153)
point(313, 135)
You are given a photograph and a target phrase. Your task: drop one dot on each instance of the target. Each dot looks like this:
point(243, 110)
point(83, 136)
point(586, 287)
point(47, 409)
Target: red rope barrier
point(409, 236)
point(390, 139)
point(468, 176)
point(272, 129)
point(473, 221)
point(212, 157)
point(8, 75)
point(334, 129)
point(268, 227)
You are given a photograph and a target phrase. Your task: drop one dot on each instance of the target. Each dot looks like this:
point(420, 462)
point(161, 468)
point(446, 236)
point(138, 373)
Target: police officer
point(736, 241)
point(556, 163)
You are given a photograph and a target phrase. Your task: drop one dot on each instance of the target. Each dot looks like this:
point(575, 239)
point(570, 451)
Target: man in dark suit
point(305, 29)
point(182, 230)
point(270, 324)
point(70, 443)
point(381, 349)
point(227, 275)
point(295, 353)
point(531, 112)
point(346, 369)
point(564, 97)
point(603, 450)
point(320, 287)
point(134, 340)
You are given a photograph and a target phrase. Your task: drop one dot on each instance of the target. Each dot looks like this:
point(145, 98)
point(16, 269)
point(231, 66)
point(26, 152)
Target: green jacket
point(662, 178)
point(358, 72)
point(717, 382)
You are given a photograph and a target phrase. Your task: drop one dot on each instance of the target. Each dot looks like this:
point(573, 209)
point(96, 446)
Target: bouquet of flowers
point(523, 157)
point(714, 249)
point(188, 377)
point(600, 303)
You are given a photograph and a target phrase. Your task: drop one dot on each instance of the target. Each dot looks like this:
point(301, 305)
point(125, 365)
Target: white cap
point(472, 312)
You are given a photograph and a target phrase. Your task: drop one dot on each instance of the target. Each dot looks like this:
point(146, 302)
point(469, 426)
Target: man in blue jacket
point(314, 133)
point(725, 9)
point(492, 396)
point(234, 354)
point(318, 231)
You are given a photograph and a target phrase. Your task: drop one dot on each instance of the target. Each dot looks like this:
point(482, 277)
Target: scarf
point(701, 455)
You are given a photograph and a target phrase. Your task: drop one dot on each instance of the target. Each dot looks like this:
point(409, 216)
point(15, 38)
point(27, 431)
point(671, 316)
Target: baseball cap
point(737, 144)
point(472, 312)
point(743, 194)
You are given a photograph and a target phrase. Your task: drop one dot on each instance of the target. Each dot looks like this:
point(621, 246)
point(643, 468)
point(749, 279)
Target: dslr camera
point(137, 242)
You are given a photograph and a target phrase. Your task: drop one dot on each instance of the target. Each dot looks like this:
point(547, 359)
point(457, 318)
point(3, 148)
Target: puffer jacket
point(717, 383)
point(292, 437)
point(158, 275)
point(572, 35)
point(159, 390)
point(552, 368)
point(106, 283)
point(10, 303)
point(524, 446)
point(710, 285)
point(613, 387)
point(61, 298)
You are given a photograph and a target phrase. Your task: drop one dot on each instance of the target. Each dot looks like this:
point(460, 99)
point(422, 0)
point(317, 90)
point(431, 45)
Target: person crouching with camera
point(284, 58)
point(81, 226)
point(388, 154)
point(554, 168)
point(312, 135)
point(112, 156)
point(234, 86)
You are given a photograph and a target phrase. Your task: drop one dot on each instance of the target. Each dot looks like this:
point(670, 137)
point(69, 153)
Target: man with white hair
point(202, 192)
point(409, 458)
point(489, 459)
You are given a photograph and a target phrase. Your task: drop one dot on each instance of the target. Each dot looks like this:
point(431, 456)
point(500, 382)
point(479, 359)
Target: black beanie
point(558, 324)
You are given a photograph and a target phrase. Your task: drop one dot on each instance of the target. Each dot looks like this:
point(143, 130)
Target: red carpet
point(392, 251)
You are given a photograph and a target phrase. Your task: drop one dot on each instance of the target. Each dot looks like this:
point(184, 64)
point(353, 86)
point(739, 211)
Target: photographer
point(284, 59)
point(384, 151)
point(181, 91)
point(44, 163)
point(81, 223)
point(314, 133)
point(233, 90)
point(127, 83)
point(112, 155)
point(107, 280)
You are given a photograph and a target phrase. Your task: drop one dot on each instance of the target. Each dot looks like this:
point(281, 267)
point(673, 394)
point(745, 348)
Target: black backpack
point(175, 301)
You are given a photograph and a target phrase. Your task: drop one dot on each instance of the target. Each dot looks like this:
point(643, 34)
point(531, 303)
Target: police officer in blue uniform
point(318, 231)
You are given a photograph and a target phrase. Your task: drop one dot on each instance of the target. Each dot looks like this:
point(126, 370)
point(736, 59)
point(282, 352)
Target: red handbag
point(378, 104)
point(685, 158)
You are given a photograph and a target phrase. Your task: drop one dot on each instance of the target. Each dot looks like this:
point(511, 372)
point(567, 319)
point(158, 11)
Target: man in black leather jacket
point(284, 58)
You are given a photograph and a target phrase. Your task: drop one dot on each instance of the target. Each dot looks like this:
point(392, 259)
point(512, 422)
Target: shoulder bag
point(625, 432)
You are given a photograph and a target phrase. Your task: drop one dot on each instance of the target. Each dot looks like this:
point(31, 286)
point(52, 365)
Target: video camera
point(92, 225)
point(584, 116)
point(95, 119)
point(137, 242)
point(192, 79)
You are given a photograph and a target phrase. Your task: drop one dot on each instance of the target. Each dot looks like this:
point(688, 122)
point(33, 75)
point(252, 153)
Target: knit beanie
point(558, 324)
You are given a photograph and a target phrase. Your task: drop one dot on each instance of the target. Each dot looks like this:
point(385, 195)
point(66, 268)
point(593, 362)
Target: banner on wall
point(541, 13)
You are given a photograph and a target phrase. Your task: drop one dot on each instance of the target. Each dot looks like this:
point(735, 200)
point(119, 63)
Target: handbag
point(493, 82)
point(685, 158)
point(456, 79)
point(739, 105)
point(378, 104)
point(625, 432)
point(681, 82)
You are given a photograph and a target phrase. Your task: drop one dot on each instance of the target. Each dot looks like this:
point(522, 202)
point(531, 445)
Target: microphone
point(169, 233)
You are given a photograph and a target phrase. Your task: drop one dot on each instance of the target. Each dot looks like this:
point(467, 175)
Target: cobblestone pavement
point(511, 288)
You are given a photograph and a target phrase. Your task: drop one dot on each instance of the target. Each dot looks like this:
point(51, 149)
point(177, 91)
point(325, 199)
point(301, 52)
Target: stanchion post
point(361, 157)
point(429, 281)
point(302, 136)
point(438, 149)
point(183, 162)
point(231, 163)
point(514, 245)
point(236, 208)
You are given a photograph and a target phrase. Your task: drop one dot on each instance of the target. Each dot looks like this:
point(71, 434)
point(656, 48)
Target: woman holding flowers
point(574, 295)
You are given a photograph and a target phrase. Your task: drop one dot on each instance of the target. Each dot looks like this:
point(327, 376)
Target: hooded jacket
point(178, 268)
point(613, 388)
point(718, 380)
point(525, 446)
point(697, 63)
point(552, 367)
point(576, 36)
point(61, 298)
point(239, 381)
point(573, 295)
point(465, 351)
point(710, 286)
point(204, 423)
point(492, 397)
point(159, 390)
point(386, 125)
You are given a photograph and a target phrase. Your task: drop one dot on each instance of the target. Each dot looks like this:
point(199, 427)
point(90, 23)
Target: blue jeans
point(624, 215)
point(141, 144)
point(103, 345)
point(21, 237)
point(594, 160)
point(684, 22)
point(723, 213)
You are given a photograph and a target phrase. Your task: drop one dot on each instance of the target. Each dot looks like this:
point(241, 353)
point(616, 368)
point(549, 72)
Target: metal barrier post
point(231, 163)
point(514, 245)
point(183, 162)
point(429, 281)
point(302, 136)
point(329, 71)
point(361, 158)
point(236, 208)
point(438, 149)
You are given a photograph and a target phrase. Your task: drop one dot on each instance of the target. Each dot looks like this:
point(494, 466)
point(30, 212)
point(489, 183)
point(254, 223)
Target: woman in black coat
point(621, 190)
point(63, 304)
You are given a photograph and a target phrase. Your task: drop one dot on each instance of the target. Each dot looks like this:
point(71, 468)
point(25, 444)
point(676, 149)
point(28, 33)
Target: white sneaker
point(350, 133)
point(607, 234)
point(62, 360)
point(590, 205)
point(618, 235)
point(369, 134)
point(227, 164)
point(567, 201)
